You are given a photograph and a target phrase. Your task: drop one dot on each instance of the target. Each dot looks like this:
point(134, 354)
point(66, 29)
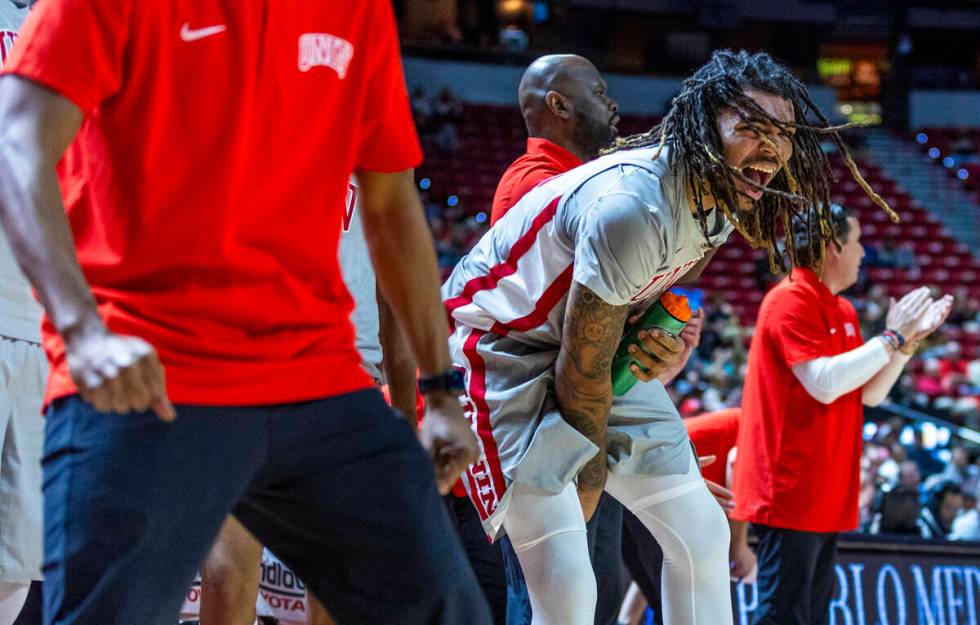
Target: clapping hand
point(904, 315)
point(933, 317)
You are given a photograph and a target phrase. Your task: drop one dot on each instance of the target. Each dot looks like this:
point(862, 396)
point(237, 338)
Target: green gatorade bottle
point(670, 314)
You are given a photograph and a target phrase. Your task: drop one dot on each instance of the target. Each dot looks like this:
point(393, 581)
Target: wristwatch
point(450, 380)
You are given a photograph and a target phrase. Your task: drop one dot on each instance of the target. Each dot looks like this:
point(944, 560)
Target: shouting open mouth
point(759, 172)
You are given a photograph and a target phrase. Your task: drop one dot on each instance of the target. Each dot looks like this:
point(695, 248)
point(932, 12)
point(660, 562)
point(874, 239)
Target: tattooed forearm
point(583, 386)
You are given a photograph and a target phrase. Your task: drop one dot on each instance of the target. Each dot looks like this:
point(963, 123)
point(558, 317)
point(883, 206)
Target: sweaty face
point(594, 112)
point(847, 262)
point(746, 150)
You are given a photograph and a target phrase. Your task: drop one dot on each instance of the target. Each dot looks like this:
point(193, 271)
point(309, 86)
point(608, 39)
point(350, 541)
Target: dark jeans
point(485, 557)
point(796, 576)
point(605, 544)
point(338, 488)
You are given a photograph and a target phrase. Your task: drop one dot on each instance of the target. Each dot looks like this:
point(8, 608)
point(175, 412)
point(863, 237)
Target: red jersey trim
point(507, 268)
point(477, 392)
point(551, 296)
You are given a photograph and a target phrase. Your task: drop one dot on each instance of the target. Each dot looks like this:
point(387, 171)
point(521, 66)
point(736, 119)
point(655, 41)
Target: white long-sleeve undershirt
point(870, 366)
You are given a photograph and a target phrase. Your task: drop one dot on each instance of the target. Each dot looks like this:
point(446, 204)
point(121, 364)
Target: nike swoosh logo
point(186, 34)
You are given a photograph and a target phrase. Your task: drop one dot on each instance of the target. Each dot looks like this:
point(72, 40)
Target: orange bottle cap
point(676, 305)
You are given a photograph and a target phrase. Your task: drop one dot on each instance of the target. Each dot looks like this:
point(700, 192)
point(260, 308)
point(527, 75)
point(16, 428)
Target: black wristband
point(450, 380)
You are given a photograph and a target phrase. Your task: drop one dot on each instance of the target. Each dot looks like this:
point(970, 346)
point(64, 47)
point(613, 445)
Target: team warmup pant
point(338, 488)
point(548, 533)
point(796, 576)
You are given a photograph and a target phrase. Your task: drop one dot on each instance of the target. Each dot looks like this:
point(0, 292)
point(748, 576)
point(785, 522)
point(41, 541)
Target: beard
point(591, 135)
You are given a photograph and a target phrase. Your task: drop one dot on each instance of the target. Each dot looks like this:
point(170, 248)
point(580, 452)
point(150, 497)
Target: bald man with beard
point(569, 117)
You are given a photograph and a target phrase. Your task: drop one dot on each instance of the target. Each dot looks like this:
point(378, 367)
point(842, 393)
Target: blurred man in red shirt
point(799, 441)
point(202, 154)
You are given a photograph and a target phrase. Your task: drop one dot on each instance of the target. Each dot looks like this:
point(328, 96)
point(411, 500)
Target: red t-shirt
point(206, 187)
point(799, 460)
point(714, 434)
point(542, 160)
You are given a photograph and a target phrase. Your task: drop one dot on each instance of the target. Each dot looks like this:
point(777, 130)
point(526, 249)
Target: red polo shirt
point(799, 460)
point(205, 189)
point(542, 160)
point(714, 434)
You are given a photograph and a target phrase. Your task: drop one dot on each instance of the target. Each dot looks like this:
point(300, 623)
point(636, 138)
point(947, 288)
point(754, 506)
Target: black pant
point(339, 489)
point(796, 576)
point(605, 547)
point(644, 559)
point(485, 557)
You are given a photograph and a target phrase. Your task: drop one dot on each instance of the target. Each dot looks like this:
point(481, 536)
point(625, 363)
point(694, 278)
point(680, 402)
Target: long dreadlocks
point(690, 129)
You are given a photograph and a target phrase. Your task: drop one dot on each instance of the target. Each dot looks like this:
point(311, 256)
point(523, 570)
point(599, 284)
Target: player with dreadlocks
point(538, 309)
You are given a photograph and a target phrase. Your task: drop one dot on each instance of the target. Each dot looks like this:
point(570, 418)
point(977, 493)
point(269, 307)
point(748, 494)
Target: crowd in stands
point(908, 489)
point(911, 484)
point(438, 118)
point(713, 377)
point(455, 228)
